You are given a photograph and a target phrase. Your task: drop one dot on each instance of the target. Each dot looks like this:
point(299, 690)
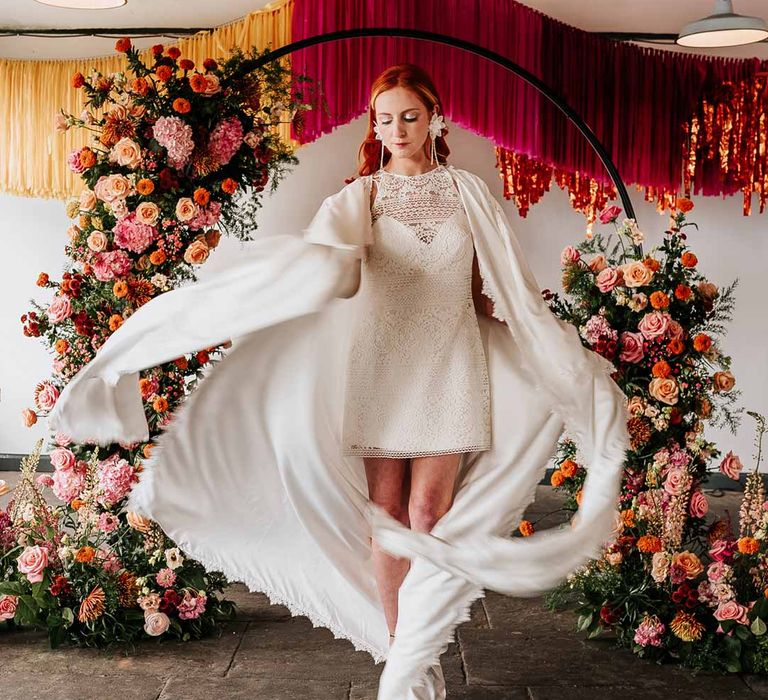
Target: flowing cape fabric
point(248, 477)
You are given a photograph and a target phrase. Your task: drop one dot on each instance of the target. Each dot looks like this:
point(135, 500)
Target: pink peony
point(654, 324)
point(598, 327)
point(205, 216)
point(609, 214)
point(731, 466)
point(699, 506)
point(225, 140)
point(32, 562)
point(134, 235)
point(59, 309)
point(631, 347)
point(108, 266)
point(732, 611)
point(607, 279)
point(8, 605)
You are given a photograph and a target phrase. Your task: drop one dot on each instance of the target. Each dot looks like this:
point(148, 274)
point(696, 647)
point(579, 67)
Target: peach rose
point(155, 622)
point(689, 563)
point(636, 406)
point(87, 200)
point(659, 566)
point(211, 84)
point(675, 331)
point(723, 381)
point(731, 466)
point(8, 604)
point(138, 522)
point(29, 417)
point(607, 279)
point(62, 458)
point(111, 188)
point(186, 209)
point(598, 263)
point(60, 309)
point(636, 274)
point(664, 390)
point(654, 324)
point(732, 611)
point(97, 241)
point(699, 506)
point(32, 562)
point(147, 213)
point(127, 153)
point(197, 252)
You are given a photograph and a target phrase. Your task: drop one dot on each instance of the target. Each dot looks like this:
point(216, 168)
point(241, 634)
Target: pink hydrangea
point(225, 140)
point(649, 631)
point(192, 606)
point(67, 483)
point(598, 327)
point(108, 266)
point(175, 136)
point(206, 216)
point(115, 478)
point(133, 235)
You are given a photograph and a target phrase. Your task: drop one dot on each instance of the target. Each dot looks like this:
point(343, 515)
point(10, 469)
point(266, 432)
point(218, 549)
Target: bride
point(394, 392)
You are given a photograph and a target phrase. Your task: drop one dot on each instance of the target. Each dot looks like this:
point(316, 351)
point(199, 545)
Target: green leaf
point(26, 611)
point(584, 622)
point(68, 615)
point(758, 627)
point(12, 588)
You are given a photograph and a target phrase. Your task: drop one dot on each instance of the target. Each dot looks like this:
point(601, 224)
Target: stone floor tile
point(78, 686)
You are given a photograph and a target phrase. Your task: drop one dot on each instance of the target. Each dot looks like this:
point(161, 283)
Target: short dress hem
point(373, 452)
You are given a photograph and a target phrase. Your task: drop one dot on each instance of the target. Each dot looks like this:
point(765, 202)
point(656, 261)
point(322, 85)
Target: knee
point(395, 509)
point(425, 512)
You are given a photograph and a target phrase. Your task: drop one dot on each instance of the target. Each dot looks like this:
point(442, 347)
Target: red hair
point(417, 80)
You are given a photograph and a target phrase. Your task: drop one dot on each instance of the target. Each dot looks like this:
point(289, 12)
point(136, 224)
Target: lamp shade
point(724, 28)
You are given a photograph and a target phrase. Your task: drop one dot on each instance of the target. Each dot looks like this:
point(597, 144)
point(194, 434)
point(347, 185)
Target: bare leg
point(432, 483)
point(388, 488)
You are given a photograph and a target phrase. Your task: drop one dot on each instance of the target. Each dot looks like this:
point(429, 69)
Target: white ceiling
point(658, 16)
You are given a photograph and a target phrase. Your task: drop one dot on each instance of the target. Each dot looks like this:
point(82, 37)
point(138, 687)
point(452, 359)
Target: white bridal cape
point(249, 480)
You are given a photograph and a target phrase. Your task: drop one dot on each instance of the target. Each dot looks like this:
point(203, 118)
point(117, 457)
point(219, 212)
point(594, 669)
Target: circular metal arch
point(253, 64)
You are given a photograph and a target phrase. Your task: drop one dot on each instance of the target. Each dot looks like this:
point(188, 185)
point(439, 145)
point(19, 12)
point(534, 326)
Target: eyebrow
point(412, 109)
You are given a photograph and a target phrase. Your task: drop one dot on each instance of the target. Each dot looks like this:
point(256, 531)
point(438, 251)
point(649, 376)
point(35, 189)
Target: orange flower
point(686, 627)
point(198, 83)
point(157, 257)
point(526, 528)
point(683, 292)
point(42, 279)
point(164, 73)
point(569, 468)
point(140, 86)
point(123, 45)
point(659, 300)
point(186, 64)
point(147, 451)
point(661, 369)
point(557, 478)
point(649, 544)
point(652, 264)
point(212, 237)
point(228, 185)
point(77, 504)
point(628, 517)
point(174, 52)
point(181, 362)
point(181, 105)
point(87, 158)
point(83, 221)
point(675, 346)
point(93, 606)
point(748, 545)
point(160, 404)
point(579, 494)
point(702, 342)
point(115, 321)
point(202, 357)
point(78, 80)
point(85, 554)
point(120, 289)
point(145, 186)
point(61, 346)
point(683, 204)
point(201, 196)
point(688, 259)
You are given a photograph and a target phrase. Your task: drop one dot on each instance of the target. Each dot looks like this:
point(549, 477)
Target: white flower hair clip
point(436, 125)
point(376, 130)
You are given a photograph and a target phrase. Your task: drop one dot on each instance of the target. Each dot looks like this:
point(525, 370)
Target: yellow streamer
point(33, 155)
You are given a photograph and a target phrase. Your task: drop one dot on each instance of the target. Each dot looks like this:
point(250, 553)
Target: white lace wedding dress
point(417, 380)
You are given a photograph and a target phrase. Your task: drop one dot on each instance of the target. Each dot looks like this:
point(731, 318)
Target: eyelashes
point(407, 119)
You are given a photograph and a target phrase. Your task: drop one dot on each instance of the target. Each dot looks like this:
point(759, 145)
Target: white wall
point(728, 245)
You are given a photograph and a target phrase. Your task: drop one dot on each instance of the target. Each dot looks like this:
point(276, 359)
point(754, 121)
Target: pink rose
point(676, 481)
point(609, 214)
point(569, 256)
point(8, 605)
point(60, 309)
point(722, 550)
point(155, 622)
point(32, 562)
point(631, 347)
point(731, 466)
point(62, 458)
point(675, 331)
point(45, 396)
point(607, 279)
point(654, 324)
point(732, 611)
point(699, 506)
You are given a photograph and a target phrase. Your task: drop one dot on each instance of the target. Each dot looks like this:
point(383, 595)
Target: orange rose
point(689, 563)
point(197, 252)
point(683, 292)
point(661, 369)
point(664, 390)
point(157, 257)
point(160, 404)
point(688, 259)
point(683, 204)
point(659, 300)
point(526, 528)
point(181, 105)
point(42, 279)
point(569, 468)
point(675, 346)
point(702, 342)
point(145, 187)
point(228, 185)
point(748, 545)
point(557, 478)
point(85, 554)
point(723, 381)
point(77, 504)
point(115, 321)
point(147, 451)
point(649, 544)
point(120, 289)
point(201, 196)
point(164, 73)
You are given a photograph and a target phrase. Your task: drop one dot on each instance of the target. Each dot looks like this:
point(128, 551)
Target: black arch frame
point(506, 63)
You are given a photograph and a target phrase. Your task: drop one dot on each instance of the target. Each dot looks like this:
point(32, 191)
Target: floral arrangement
point(178, 152)
point(671, 584)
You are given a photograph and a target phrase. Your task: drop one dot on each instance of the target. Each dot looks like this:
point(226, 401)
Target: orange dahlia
point(526, 528)
point(85, 554)
point(686, 627)
point(145, 186)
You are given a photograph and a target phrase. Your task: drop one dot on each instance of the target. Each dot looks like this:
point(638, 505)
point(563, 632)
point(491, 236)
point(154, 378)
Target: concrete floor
point(510, 649)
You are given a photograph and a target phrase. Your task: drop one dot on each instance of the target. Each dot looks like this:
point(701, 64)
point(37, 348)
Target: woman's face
point(403, 122)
